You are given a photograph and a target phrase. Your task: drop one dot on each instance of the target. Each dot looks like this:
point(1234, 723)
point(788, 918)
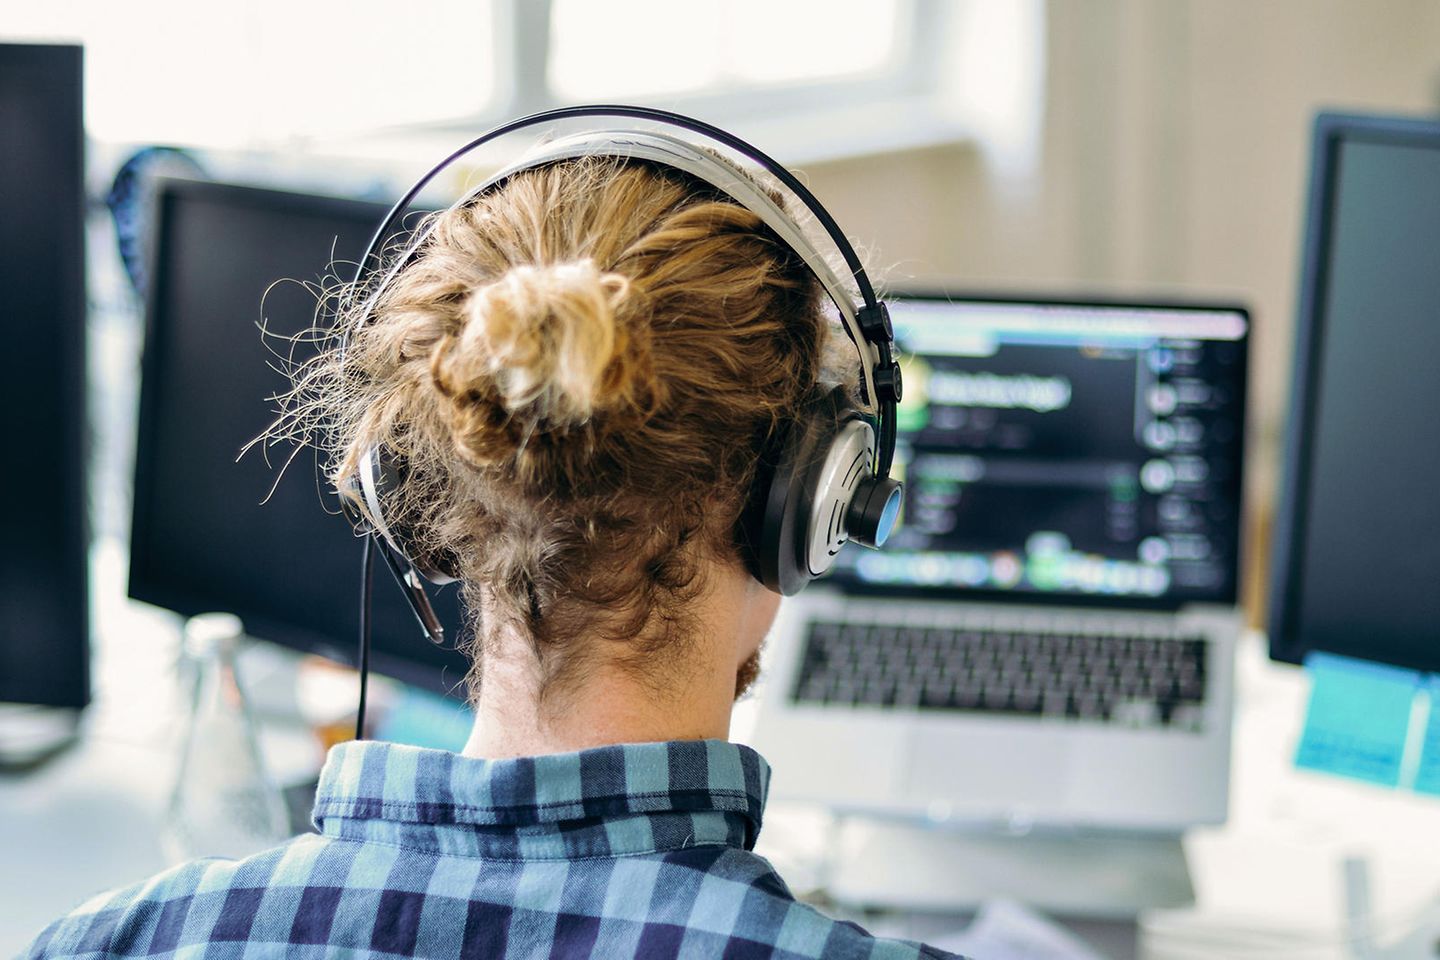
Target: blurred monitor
point(1357, 542)
point(208, 533)
point(1084, 453)
point(44, 604)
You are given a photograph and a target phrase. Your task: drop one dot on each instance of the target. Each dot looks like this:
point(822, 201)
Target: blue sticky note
point(424, 719)
point(1427, 776)
point(1358, 718)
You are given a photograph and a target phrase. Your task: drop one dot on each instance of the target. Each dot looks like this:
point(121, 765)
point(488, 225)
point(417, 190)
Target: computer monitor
point(44, 597)
point(207, 531)
point(1021, 481)
point(1356, 563)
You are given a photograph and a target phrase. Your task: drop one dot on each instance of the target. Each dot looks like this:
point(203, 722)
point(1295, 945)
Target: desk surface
point(89, 820)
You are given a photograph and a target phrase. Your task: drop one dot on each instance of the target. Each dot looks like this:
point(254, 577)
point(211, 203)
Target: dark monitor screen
point(1357, 552)
point(1081, 452)
point(44, 606)
point(202, 539)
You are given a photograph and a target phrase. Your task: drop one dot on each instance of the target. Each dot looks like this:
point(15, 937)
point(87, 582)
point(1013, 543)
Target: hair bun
point(540, 350)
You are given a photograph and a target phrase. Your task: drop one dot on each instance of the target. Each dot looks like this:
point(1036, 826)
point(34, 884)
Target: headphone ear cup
point(778, 524)
point(379, 474)
point(776, 510)
point(749, 529)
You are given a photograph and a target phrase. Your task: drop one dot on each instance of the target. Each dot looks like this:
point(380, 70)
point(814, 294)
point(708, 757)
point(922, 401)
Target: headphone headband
point(867, 326)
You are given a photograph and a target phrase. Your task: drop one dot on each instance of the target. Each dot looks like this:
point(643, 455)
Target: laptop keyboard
point(1129, 680)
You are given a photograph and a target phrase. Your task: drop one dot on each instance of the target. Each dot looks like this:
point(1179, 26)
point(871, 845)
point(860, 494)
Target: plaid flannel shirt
point(636, 850)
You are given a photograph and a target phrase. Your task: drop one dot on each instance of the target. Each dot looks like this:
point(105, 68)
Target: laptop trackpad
point(989, 772)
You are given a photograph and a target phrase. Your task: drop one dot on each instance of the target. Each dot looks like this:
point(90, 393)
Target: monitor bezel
point(142, 583)
point(1330, 129)
point(1087, 600)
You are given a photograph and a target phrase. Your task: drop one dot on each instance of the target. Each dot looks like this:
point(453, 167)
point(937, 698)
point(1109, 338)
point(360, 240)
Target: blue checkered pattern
point(638, 850)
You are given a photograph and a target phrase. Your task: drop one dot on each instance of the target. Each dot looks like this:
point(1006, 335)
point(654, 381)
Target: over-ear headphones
point(826, 479)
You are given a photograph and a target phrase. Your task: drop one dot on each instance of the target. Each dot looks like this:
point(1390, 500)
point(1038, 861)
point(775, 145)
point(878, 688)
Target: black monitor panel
point(1357, 551)
point(44, 606)
point(208, 531)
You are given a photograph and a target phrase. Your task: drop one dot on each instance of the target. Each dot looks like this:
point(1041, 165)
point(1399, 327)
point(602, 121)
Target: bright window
point(264, 71)
point(810, 78)
point(601, 51)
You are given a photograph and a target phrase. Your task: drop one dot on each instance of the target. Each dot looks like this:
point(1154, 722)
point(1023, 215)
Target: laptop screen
point(1081, 451)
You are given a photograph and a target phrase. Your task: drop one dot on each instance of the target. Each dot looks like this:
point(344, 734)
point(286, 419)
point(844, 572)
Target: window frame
point(897, 106)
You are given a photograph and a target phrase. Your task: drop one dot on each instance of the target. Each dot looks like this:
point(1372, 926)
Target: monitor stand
point(30, 735)
point(916, 866)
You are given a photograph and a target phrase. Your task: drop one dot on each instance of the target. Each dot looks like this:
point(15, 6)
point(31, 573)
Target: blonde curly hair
point(580, 370)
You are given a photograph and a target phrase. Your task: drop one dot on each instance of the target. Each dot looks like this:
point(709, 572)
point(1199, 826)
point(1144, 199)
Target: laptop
point(1047, 640)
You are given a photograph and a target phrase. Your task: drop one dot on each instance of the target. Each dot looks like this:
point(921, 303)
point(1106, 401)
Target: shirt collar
point(625, 798)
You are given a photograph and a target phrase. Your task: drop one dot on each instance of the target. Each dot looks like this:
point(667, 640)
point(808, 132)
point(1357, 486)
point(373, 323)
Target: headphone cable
point(367, 582)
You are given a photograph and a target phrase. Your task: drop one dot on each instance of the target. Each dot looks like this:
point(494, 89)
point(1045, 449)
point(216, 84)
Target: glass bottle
point(223, 803)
